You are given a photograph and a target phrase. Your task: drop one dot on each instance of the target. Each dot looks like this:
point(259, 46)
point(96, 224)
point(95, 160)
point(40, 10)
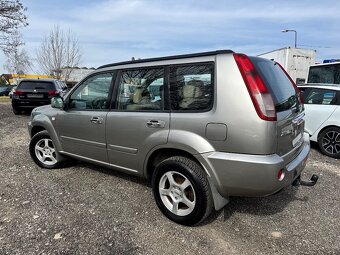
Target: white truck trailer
point(295, 61)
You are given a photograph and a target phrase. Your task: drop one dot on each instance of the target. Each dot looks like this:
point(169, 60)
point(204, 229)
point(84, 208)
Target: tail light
point(293, 83)
point(17, 92)
point(53, 92)
point(260, 95)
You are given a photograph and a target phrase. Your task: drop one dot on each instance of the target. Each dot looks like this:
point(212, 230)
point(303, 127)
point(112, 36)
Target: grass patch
point(5, 99)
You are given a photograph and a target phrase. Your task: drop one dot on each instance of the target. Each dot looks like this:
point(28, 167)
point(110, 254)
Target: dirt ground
point(85, 209)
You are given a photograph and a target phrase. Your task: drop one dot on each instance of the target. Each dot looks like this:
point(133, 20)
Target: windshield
point(36, 85)
point(324, 74)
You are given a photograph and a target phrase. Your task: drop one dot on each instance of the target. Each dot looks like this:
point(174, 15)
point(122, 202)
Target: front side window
point(141, 89)
point(191, 87)
point(320, 96)
point(92, 94)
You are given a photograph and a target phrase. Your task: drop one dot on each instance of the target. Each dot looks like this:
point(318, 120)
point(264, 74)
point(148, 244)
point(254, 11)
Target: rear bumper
point(253, 175)
point(29, 103)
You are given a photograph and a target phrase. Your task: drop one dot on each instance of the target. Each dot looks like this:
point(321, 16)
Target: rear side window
point(141, 89)
point(191, 87)
point(40, 85)
point(277, 82)
point(320, 96)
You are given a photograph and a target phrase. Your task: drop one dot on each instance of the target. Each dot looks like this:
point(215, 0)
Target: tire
point(43, 152)
point(16, 111)
point(329, 142)
point(186, 196)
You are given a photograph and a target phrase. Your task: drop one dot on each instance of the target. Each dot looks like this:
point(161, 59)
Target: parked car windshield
point(42, 85)
point(277, 82)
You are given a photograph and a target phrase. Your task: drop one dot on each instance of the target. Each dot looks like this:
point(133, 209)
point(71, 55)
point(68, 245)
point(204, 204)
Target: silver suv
point(202, 127)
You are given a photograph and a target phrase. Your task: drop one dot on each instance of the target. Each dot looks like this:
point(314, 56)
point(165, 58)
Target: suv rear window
point(277, 82)
point(41, 85)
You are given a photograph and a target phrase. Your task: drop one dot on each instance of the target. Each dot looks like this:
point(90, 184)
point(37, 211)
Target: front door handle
point(97, 120)
point(155, 123)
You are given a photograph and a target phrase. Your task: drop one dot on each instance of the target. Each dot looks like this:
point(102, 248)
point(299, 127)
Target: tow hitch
point(312, 182)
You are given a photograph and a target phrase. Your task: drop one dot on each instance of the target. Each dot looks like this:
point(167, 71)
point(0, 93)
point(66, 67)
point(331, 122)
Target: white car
point(322, 108)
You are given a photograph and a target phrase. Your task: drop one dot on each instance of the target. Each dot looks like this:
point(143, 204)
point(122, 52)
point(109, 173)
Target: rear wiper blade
point(39, 88)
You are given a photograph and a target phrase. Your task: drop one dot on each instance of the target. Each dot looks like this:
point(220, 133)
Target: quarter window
point(320, 96)
point(191, 87)
point(93, 93)
point(141, 89)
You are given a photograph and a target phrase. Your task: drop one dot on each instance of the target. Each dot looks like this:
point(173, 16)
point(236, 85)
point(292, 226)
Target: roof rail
point(192, 55)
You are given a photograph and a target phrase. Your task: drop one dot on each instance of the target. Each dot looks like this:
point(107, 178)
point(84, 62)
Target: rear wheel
point(329, 142)
point(16, 111)
point(182, 191)
point(43, 152)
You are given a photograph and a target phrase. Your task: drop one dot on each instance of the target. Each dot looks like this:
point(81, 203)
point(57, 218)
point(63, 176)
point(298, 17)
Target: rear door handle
point(155, 123)
point(97, 120)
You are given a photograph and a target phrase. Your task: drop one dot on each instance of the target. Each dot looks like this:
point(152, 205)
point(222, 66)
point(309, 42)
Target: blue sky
point(115, 30)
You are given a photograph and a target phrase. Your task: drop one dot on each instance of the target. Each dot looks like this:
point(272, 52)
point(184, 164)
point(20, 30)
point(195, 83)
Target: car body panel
point(89, 139)
point(129, 139)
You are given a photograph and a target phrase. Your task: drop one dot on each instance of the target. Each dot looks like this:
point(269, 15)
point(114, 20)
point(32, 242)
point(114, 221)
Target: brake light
point(260, 95)
point(18, 92)
point(53, 92)
point(293, 83)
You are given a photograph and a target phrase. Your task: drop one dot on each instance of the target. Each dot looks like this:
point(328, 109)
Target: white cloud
point(117, 30)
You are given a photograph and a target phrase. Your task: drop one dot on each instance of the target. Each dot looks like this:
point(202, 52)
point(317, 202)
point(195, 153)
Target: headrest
point(137, 96)
point(193, 89)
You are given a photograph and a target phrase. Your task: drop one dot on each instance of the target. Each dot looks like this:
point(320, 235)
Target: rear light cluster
point(260, 95)
point(53, 92)
point(17, 92)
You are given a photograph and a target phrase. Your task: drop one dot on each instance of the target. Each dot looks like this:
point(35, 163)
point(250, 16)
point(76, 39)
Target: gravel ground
point(85, 209)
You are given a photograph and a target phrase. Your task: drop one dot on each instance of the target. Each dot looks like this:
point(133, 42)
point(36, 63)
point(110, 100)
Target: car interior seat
point(140, 97)
point(317, 98)
point(192, 95)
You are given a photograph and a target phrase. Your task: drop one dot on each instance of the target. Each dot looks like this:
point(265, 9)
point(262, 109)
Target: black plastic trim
point(192, 55)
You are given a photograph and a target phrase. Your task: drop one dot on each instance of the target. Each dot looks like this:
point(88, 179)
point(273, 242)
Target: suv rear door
point(138, 121)
point(289, 109)
point(36, 90)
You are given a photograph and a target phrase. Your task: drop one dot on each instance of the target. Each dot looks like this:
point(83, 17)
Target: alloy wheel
point(45, 152)
point(331, 142)
point(177, 193)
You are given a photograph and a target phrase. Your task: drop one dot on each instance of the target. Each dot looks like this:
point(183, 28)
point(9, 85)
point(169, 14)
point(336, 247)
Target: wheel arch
point(160, 154)
point(324, 128)
point(42, 122)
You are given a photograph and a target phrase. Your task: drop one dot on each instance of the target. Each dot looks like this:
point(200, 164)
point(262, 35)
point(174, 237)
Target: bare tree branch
point(59, 53)
point(12, 17)
point(18, 60)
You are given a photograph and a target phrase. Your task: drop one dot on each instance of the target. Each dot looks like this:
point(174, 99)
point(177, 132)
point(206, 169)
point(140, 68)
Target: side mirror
point(57, 102)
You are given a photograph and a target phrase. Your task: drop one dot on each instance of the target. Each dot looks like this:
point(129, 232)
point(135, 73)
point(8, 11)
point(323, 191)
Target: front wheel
point(329, 142)
point(43, 152)
point(182, 191)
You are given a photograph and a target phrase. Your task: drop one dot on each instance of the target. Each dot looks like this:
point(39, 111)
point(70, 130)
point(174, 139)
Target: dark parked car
point(31, 93)
point(4, 90)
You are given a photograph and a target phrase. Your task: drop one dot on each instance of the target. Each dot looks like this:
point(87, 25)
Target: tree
point(18, 60)
point(59, 53)
point(11, 18)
